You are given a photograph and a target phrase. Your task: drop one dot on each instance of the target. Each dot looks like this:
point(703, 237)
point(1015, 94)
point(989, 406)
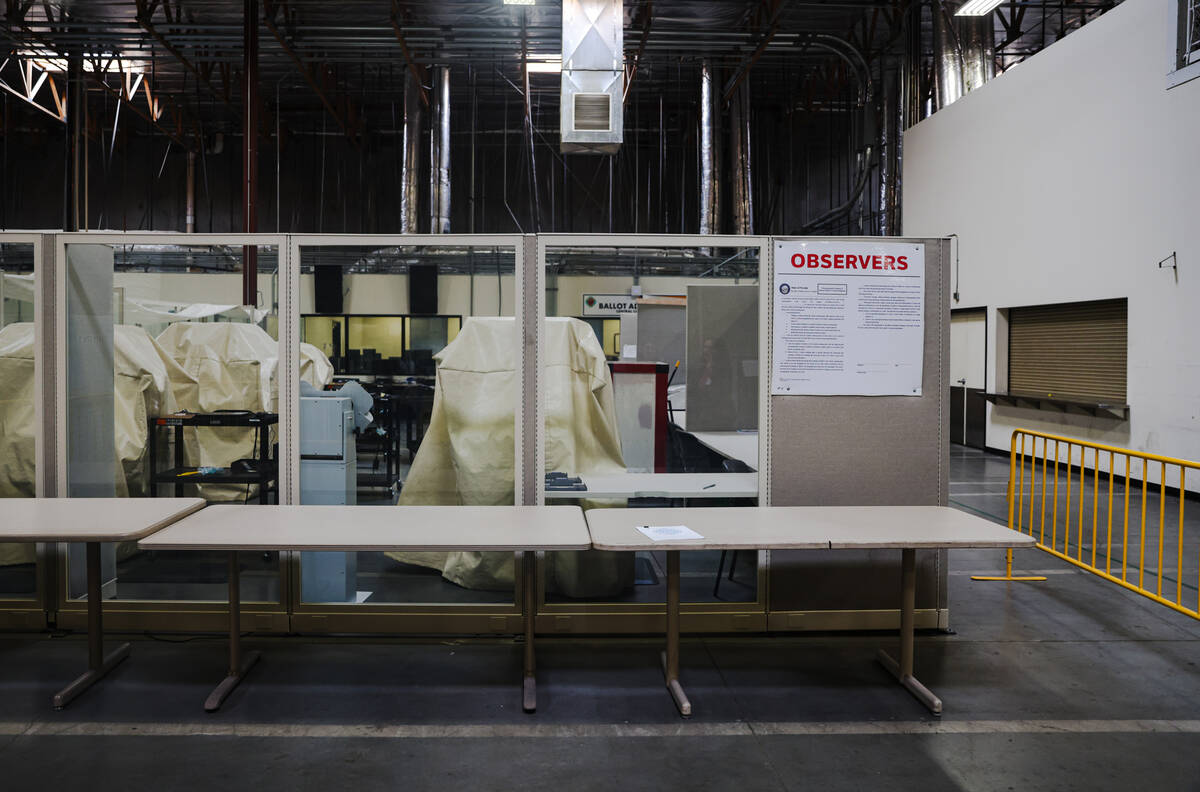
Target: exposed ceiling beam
point(773, 10)
point(418, 71)
point(145, 13)
point(647, 18)
point(319, 84)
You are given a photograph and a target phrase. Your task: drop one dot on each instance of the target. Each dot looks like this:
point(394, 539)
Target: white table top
point(352, 528)
point(664, 485)
point(89, 519)
point(802, 528)
point(915, 527)
point(730, 528)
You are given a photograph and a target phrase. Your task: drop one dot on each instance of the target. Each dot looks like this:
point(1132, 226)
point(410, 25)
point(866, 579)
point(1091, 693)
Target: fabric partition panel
point(869, 451)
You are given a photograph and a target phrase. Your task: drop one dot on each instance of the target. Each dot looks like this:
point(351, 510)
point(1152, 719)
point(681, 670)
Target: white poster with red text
point(849, 319)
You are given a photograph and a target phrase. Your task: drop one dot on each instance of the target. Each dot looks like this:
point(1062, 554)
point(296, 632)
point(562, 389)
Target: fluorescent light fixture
point(977, 7)
point(550, 64)
point(519, 2)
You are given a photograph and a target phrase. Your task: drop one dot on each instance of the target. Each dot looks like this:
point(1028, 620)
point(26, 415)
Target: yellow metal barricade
point(1082, 515)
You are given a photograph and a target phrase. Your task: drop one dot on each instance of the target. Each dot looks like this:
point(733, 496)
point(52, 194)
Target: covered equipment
point(467, 454)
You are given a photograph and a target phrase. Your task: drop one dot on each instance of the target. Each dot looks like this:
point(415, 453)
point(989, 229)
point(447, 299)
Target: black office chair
point(729, 466)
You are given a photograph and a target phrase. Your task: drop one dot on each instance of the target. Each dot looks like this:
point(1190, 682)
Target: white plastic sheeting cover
point(146, 382)
point(466, 456)
point(235, 367)
point(18, 422)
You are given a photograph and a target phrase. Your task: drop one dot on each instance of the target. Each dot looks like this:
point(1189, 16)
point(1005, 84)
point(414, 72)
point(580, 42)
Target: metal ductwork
point(410, 165)
point(979, 50)
point(439, 154)
point(891, 122)
point(593, 74)
point(710, 196)
point(964, 52)
point(947, 62)
point(739, 146)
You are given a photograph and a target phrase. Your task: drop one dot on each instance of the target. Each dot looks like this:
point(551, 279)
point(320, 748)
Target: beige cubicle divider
point(865, 451)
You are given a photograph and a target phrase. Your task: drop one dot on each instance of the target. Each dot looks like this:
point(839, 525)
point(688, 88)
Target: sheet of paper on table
point(667, 533)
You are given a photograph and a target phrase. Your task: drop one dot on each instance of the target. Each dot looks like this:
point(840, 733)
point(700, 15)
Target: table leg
point(670, 658)
point(98, 664)
point(238, 666)
point(903, 671)
point(529, 591)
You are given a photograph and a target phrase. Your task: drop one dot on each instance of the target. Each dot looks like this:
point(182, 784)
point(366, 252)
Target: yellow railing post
point(1012, 480)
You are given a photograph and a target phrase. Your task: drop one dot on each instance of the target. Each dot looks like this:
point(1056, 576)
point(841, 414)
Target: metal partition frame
point(30, 614)
point(647, 617)
point(529, 308)
point(188, 616)
point(394, 617)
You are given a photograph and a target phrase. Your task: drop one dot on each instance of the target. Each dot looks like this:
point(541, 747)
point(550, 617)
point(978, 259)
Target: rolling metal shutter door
point(1073, 350)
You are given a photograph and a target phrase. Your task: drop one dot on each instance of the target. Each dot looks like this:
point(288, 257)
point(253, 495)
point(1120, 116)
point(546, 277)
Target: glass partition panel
point(171, 391)
point(412, 403)
point(650, 369)
point(18, 409)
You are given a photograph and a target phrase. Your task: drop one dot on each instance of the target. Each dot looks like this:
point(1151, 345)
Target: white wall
point(1068, 178)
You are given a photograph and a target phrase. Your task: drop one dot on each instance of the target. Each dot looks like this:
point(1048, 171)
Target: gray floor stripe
point(682, 729)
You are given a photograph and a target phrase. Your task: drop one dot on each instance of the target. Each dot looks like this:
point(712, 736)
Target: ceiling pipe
point(978, 38)
point(439, 153)
point(947, 59)
point(250, 149)
point(76, 113)
point(837, 212)
point(709, 189)
point(739, 144)
point(191, 193)
point(410, 165)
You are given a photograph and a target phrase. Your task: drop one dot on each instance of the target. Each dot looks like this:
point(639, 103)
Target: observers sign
point(849, 318)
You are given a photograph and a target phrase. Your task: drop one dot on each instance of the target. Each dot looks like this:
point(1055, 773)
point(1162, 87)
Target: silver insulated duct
point(978, 39)
point(739, 144)
point(439, 154)
point(410, 166)
point(947, 62)
point(593, 74)
point(709, 192)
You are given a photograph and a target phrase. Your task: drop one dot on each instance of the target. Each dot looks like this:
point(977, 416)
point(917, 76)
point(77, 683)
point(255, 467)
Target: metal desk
point(523, 529)
point(90, 520)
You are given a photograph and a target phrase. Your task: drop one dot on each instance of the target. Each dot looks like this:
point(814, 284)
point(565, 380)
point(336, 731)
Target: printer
point(329, 475)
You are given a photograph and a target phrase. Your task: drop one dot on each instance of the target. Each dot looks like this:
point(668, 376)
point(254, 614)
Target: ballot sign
point(849, 318)
point(609, 304)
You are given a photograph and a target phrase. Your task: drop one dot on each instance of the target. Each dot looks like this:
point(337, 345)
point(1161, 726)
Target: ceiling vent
point(593, 71)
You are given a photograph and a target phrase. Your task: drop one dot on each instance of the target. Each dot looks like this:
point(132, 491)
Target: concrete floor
point(1068, 684)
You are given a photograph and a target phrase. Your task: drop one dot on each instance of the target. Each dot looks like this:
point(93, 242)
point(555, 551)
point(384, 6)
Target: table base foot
point(676, 690)
point(222, 691)
point(90, 677)
point(529, 694)
point(922, 693)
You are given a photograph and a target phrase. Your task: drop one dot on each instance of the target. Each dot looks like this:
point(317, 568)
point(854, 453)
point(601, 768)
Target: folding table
point(90, 520)
point(523, 529)
point(906, 528)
